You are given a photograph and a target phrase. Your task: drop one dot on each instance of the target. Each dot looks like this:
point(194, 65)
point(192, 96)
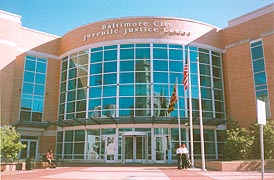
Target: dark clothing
point(179, 159)
point(184, 161)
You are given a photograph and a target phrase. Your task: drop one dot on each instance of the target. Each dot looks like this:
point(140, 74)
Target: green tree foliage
point(244, 143)
point(238, 144)
point(10, 142)
point(268, 140)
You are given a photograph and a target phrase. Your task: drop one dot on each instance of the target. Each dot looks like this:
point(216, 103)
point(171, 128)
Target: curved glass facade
point(132, 84)
point(136, 80)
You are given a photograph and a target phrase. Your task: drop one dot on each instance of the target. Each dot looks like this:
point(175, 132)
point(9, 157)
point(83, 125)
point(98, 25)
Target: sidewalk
point(130, 173)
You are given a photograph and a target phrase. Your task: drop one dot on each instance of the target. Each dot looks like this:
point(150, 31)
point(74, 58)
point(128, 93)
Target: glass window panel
point(96, 68)
point(142, 89)
point(263, 95)
point(82, 82)
point(63, 87)
point(160, 77)
point(95, 80)
point(94, 104)
point(159, 53)
point(110, 78)
point(217, 72)
point(81, 106)
point(24, 116)
point(126, 78)
point(81, 94)
point(72, 73)
point(257, 52)
point(204, 69)
point(218, 95)
point(28, 88)
point(175, 54)
point(219, 106)
point(64, 63)
point(70, 107)
point(256, 43)
point(126, 113)
point(71, 96)
point(260, 78)
point(258, 65)
point(39, 89)
point(142, 112)
point(73, 62)
point(126, 90)
point(96, 57)
point(142, 45)
point(176, 66)
point(40, 78)
point(26, 104)
point(110, 55)
point(206, 105)
point(109, 91)
point(261, 87)
point(126, 103)
point(82, 71)
point(204, 58)
point(142, 77)
point(95, 92)
point(83, 59)
point(31, 58)
point(193, 68)
point(160, 65)
point(205, 81)
point(36, 116)
point(127, 54)
point(194, 80)
point(175, 46)
point(59, 136)
point(143, 53)
point(28, 76)
point(216, 61)
point(37, 106)
point(41, 60)
point(29, 65)
point(110, 67)
point(127, 65)
point(142, 65)
point(126, 45)
point(173, 77)
point(41, 67)
point(69, 136)
point(206, 93)
point(109, 103)
point(61, 109)
point(72, 84)
point(217, 83)
point(64, 76)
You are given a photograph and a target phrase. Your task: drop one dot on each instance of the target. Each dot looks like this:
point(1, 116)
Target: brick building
point(101, 91)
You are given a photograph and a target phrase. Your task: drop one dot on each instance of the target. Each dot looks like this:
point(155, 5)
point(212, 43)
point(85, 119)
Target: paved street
point(130, 173)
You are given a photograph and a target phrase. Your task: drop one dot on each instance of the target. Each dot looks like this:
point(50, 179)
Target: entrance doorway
point(31, 149)
point(134, 147)
point(161, 143)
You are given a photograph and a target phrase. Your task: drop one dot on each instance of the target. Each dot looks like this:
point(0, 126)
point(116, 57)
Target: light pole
point(201, 118)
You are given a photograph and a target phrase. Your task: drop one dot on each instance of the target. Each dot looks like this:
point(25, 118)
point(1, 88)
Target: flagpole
point(190, 109)
point(201, 118)
point(179, 117)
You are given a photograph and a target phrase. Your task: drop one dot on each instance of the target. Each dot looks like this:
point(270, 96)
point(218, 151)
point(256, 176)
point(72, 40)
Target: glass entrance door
point(161, 143)
point(30, 151)
point(135, 148)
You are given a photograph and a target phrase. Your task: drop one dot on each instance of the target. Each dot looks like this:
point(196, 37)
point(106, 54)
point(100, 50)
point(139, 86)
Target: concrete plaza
point(130, 173)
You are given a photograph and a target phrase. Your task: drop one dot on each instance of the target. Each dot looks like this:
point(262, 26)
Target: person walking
point(179, 157)
point(184, 157)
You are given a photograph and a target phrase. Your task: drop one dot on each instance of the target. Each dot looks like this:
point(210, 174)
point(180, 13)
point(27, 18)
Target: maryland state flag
point(173, 100)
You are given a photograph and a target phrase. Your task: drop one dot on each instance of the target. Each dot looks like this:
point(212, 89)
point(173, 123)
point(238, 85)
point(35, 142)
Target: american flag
point(173, 100)
point(185, 79)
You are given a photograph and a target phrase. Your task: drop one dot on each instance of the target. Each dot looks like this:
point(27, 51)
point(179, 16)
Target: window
point(259, 73)
point(33, 89)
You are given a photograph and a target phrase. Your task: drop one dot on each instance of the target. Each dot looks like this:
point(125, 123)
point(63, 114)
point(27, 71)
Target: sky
point(61, 16)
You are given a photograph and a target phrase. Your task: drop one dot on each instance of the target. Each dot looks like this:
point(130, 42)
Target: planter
point(3, 167)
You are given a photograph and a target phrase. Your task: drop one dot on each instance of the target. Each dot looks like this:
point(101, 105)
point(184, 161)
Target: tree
point(238, 144)
point(10, 142)
point(268, 140)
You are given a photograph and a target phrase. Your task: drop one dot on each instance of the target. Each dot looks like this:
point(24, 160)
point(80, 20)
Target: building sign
point(127, 28)
point(261, 113)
